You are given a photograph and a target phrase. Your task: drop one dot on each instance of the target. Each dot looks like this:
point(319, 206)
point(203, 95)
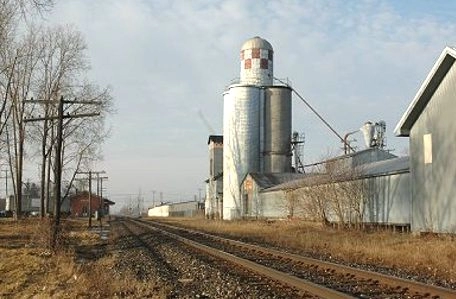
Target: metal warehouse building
point(430, 123)
point(180, 209)
point(361, 191)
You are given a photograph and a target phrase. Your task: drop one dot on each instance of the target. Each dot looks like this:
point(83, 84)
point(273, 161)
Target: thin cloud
point(355, 61)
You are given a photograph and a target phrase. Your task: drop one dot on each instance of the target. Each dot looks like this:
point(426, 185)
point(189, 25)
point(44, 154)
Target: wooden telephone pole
point(90, 173)
point(58, 153)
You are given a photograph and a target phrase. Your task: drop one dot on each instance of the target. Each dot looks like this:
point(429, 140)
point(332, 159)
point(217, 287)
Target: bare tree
point(335, 192)
point(20, 88)
point(61, 63)
point(18, 59)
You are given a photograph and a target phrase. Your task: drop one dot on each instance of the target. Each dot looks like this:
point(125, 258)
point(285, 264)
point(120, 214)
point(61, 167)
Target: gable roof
point(375, 153)
point(385, 167)
point(379, 168)
point(266, 180)
point(427, 89)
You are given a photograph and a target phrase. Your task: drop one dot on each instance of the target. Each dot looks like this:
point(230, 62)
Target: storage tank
point(277, 130)
point(368, 130)
point(241, 142)
point(256, 124)
point(257, 62)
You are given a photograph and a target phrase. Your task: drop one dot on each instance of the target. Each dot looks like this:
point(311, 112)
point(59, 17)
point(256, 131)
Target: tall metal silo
point(277, 129)
point(256, 124)
point(241, 146)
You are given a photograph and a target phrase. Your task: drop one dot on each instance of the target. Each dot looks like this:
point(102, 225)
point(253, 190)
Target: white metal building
point(429, 122)
point(379, 191)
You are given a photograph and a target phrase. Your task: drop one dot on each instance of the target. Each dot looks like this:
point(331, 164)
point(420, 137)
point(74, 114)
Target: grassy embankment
point(29, 270)
point(434, 256)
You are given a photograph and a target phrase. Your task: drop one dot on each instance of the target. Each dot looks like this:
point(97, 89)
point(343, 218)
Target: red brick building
point(79, 204)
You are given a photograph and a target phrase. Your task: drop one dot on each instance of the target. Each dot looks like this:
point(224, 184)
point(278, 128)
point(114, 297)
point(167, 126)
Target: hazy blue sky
point(167, 60)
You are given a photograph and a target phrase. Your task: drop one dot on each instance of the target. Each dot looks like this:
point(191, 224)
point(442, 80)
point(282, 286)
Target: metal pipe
point(317, 114)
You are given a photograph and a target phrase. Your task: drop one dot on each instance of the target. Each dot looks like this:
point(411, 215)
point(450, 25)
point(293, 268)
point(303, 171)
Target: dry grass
point(29, 270)
point(430, 255)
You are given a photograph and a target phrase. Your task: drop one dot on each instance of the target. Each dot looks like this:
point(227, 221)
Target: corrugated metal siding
point(433, 184)
point(277, 130)
point(273, 204)
point(241, 147)
point(185, 209)
point(388, 199)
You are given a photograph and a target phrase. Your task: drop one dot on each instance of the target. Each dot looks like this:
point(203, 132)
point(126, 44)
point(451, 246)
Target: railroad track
point(324, 279)
point(306, 288)
point(139, 233)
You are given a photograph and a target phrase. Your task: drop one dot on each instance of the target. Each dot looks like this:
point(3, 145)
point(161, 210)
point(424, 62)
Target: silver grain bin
point(277, 130)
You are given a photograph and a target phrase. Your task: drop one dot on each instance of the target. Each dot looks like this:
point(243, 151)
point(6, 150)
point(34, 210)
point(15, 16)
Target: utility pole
point(98, 184)
point(101, 194)
point(7, 203)
point(153, 198)
point(90, 173)
point(58, 154)
point(58, 171)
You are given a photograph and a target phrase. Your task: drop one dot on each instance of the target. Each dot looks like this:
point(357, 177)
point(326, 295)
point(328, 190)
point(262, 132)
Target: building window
point(427, 148)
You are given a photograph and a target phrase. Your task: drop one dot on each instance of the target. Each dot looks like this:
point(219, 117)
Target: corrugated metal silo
point(241, 146)
point(256, 125)
point(277, 129)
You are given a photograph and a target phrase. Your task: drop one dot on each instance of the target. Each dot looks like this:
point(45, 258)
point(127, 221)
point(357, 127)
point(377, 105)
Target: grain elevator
point(256, 124)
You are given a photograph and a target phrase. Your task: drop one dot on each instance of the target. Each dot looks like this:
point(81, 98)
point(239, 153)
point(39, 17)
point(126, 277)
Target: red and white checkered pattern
point(257, 66)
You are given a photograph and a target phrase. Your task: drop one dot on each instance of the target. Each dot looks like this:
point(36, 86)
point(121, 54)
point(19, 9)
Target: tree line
point(39, 66)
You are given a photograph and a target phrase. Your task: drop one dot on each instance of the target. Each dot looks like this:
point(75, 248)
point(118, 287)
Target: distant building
point(79, 204)
point(429, 122)
point(214, 183)
point(179, 209)
point(158, 211)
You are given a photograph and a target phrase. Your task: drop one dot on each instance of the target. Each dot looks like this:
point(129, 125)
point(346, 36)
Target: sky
point(168, 63)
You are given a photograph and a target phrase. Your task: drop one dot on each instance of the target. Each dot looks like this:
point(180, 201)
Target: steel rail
point(413, 286)
point(282, 277)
